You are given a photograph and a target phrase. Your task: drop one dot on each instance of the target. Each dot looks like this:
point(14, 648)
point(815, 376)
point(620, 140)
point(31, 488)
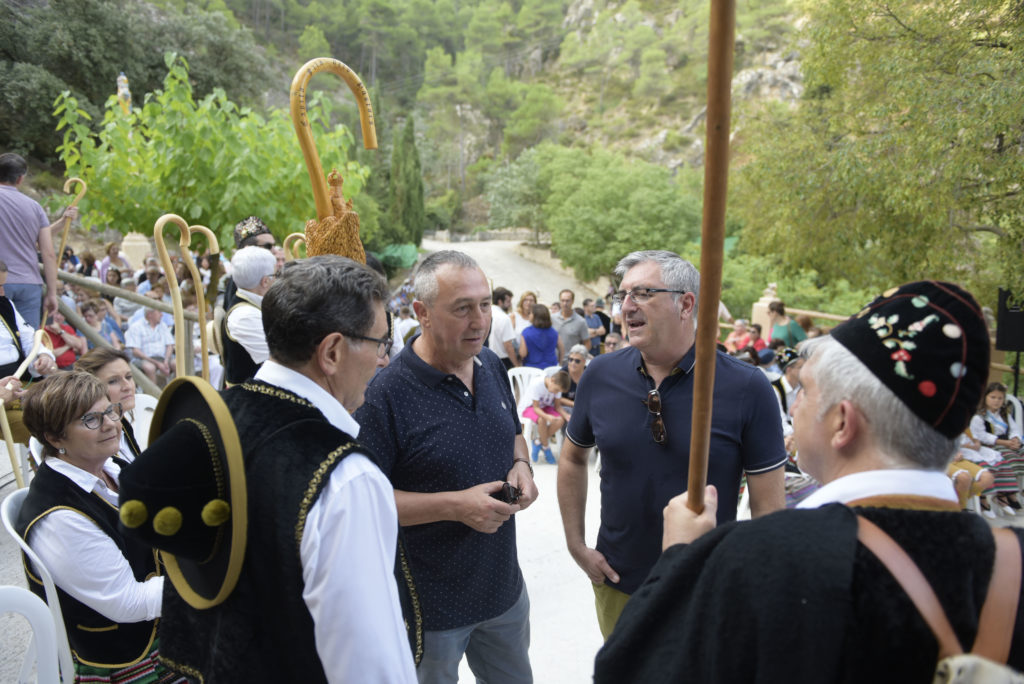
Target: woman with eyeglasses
point(112, 367)
point(109, 588)
point(574, 366)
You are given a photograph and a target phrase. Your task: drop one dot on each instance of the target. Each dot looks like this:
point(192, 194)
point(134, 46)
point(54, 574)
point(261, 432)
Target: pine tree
point(407, 213)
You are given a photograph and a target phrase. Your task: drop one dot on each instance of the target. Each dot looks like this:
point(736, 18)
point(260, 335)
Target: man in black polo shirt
point(442, 421)
point(635, 405)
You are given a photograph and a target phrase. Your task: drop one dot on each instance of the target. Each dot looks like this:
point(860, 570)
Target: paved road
point(505, 268)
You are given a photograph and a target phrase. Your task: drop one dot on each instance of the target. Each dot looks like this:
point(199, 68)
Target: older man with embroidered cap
point(805, 595)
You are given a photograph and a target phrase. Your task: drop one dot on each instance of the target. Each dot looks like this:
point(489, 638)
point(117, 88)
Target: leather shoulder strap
point(999, 614)
point(913, 582)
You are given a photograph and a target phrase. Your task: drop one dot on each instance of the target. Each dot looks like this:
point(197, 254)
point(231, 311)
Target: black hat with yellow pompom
point(185, 495)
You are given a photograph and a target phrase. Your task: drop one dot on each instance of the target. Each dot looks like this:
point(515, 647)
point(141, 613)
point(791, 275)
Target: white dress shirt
point(348, 557)
point(245, 326)
point(85, 562)
point(501, 332)
point(911, 481)
point(8, 350)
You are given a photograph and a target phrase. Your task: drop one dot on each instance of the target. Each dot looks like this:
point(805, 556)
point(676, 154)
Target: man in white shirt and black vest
point(243, 339)
point(323, 587)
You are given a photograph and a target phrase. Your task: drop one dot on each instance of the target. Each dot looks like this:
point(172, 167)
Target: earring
point(62, 451)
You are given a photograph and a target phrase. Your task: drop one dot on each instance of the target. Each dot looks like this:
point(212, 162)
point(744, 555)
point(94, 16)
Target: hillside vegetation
point(874, 142)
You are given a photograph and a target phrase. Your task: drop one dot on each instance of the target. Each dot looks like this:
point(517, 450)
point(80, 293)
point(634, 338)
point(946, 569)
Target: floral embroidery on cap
point(901, 341)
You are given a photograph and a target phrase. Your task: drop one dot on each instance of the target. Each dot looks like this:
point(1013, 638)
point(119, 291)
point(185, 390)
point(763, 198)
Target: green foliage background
point(207, 160)
point(902, 159)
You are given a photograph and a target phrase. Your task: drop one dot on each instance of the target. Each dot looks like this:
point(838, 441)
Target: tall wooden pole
point(716, 179)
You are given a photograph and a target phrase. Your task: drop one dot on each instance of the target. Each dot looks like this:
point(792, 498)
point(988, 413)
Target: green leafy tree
point(500, 98)
point(207, 160)
point(407, 213)
point(613, 206)
point(516, 196)
point(534, 120)
point(82, 45)
point(653, 81)
point(313, 43)
point(539, 23)
point(903, 161)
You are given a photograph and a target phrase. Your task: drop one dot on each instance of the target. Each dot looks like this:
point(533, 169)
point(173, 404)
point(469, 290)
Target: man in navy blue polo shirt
point(635, 405)
point(442, 421)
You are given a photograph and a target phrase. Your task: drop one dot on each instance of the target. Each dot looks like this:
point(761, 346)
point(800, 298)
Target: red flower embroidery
point(900, 355)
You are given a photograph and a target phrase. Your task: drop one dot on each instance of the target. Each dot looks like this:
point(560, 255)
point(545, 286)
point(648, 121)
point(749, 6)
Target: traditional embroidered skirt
point(146, 671)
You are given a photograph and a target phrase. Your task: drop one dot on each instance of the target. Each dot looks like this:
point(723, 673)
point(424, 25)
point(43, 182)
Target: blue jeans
point(28, 300)
point(497, 649)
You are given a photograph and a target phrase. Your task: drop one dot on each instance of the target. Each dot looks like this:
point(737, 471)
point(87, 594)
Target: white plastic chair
point(21, 457)
point(145, 404)
point(1016, 415)
point(8, 512)
point(42, 649)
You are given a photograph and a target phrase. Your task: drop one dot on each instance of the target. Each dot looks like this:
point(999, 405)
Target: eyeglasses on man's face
point(640, 295)
point(384, 344)
point(575, 360)
point(653, 404)
point(94, 419)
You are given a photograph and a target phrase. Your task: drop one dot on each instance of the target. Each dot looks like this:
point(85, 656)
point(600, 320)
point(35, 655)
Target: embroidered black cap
point(927, 342)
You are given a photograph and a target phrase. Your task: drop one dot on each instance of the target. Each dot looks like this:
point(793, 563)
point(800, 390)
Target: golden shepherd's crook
point(291, 245)
point(67, 221)
point(336, 230)
point(197, 280)
point(40, 340)
point(185, 233)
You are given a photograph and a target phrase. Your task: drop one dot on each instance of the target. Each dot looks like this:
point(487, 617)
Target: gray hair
point(903, 438)
point(249, 265)
point(579, 349)
point(424, 285)
point(315, 297)
point(676, 272)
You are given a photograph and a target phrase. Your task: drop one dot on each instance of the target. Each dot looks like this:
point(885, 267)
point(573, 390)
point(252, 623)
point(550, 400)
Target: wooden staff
point(291, 245)
point(39, 341)
point(172, 285)
point(67, 220)
point(716, 177)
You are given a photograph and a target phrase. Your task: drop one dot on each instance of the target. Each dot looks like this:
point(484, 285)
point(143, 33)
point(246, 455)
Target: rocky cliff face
point(676, 138)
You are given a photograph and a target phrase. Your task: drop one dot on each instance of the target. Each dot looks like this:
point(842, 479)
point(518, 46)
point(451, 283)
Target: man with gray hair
point(635, 406)
point(242, 337)
point(316, 600)
point(571, 327)
point(442, 421)
point(820, 594)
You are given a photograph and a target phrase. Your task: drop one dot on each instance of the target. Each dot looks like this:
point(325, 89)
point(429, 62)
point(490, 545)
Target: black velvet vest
point(9, 319)
point(95, 639)
point(263, 632)
point(238, 363)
